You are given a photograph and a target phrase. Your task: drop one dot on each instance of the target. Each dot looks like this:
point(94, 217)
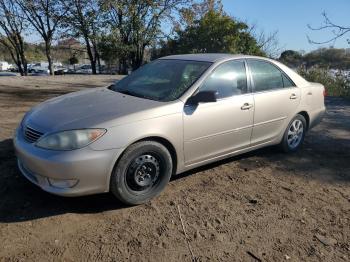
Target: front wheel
point(142, 172)
point(294, 135)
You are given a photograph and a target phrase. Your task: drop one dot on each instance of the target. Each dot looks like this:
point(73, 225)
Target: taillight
point(324, 92)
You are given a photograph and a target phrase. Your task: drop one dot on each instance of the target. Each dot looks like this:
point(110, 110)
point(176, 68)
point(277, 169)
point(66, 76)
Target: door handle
point(293, 96)
point(246, 106)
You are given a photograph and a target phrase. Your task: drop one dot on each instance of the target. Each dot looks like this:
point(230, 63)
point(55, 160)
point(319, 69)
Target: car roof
point(208, 57)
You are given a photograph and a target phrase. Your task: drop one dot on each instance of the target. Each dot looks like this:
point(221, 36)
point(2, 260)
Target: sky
point(291, 17)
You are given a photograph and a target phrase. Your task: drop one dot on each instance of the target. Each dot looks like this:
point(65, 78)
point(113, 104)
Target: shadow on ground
point(20, 200)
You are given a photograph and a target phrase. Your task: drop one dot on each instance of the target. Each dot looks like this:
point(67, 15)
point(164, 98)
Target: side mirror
point(202, 97)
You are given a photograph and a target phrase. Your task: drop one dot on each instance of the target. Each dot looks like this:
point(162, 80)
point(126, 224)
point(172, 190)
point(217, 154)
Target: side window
point(265, 75)
point(227, 80)
point(287, 82)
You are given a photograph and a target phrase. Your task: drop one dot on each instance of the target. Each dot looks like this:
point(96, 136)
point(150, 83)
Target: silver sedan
point(171, 115)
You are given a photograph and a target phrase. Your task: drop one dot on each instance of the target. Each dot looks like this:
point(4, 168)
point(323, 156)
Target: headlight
point(71, 139)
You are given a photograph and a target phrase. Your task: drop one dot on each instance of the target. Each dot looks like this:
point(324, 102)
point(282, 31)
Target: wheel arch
point(168, 145)
point(307, 118)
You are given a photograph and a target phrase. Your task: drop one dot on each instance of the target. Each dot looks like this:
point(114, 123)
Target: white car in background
point(43, 68)
point(4, 66)
point(84, 69)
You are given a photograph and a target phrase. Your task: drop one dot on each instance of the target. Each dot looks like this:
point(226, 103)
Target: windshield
point(161, 80)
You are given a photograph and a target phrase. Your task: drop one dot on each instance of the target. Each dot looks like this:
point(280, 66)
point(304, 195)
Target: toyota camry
point(169, 116)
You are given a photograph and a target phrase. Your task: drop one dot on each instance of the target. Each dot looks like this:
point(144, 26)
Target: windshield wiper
point(127, 92)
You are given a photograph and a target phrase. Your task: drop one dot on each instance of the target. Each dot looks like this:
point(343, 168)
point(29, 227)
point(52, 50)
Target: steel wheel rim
point(295, 133)
point(143, 173)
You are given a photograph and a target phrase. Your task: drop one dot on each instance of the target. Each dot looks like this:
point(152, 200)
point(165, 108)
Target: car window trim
point(270, 90)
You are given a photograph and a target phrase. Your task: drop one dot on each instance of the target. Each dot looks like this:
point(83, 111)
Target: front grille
point(31, 135)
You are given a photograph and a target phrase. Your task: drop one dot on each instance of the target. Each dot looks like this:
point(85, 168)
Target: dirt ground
point(261, 206)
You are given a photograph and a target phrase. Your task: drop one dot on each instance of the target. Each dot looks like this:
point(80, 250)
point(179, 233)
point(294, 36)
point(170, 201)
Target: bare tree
point(11, 28)
point(137, 24)
point(83, 20)
point(337, 31)
point(45, 17)
point(268, 42)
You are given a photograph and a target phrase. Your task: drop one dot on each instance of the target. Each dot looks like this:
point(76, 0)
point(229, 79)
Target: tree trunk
point(16, 54)
point(22, 55)
point(15, 59)
point(119, 67)
point(48, 55)
point(25, 66)
point(18, 63)
point(138, 58)
point(99, 62)
point(97, 57)
point(23, 62)
point(123, 68)
point(90, 54)
point(93, 66)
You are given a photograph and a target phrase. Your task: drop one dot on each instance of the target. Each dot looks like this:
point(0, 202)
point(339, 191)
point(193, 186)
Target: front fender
point(168, 127)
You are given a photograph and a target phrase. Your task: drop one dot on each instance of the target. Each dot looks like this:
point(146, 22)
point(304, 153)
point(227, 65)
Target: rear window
point(266, 76)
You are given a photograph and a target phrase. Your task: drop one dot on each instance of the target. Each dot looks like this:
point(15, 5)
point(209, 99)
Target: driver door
point(218, 128)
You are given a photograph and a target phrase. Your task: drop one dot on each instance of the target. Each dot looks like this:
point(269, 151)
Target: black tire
point(287, 137)
point(141, 173)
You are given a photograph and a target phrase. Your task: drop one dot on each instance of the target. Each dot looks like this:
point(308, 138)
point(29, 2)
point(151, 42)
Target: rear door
point(276, 100)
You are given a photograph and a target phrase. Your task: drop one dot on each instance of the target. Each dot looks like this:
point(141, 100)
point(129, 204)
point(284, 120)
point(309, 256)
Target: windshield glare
point(162, 80)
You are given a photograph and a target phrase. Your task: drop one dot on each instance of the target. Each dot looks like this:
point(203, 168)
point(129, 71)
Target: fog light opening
point(62, 183)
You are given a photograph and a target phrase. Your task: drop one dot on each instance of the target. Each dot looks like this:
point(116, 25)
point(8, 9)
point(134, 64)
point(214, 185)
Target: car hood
point(98, 107)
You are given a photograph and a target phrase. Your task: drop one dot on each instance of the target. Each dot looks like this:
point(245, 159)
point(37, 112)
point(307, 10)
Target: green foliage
point(323, 58)
point(35, 53)
point(215, 32)
point(329, 57)
point(196, 10)
point(4, 54)
point(337, 85)
point(112, 49)
point(291, 58)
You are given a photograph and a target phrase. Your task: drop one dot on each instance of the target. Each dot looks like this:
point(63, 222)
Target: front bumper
point(89, 169)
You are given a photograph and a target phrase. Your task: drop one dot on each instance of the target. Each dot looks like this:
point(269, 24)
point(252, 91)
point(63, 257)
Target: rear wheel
point(142, 172)
point(294, 135)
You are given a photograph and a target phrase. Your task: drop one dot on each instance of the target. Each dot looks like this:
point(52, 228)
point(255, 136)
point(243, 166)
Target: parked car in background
point(41, 67)
point(60, 70)
point(12, 68)
point(39, 72)
point(84, 69)
point(38, 67)
point(4, 66)
point(171, 115)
